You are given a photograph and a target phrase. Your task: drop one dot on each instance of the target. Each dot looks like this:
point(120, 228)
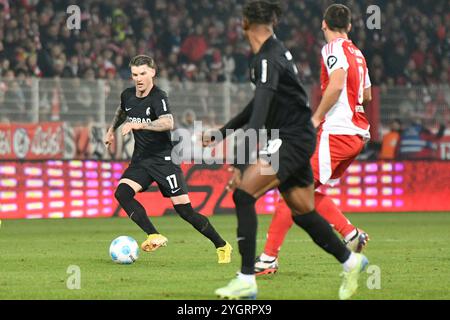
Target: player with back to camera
point(147, 108)
point(280, 102)
point(342, 131)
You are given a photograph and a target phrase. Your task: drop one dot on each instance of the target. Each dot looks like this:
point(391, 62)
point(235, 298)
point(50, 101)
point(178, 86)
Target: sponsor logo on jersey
point(331, 61)
point(147, 112)
point(140, 120)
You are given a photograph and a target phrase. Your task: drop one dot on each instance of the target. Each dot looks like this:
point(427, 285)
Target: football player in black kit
point(149, 118)
point(280, 102)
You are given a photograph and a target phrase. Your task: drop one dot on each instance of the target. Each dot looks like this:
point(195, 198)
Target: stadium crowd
point(202, 40)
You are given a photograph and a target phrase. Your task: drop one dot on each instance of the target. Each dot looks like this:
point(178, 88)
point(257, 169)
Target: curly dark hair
point(262, 12)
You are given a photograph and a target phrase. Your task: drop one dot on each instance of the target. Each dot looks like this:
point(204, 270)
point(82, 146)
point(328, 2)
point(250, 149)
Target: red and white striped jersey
point(347, 116)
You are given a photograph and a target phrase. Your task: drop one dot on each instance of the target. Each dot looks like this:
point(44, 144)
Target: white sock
point(249, 278)
point(265, 257)
point(351, 235)
point(350, 263)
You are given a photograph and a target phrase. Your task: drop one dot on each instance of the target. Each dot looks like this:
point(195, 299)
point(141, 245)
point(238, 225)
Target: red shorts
point(333, 155)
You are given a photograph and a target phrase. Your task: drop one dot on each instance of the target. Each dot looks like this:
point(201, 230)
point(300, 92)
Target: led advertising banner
point(75, 189)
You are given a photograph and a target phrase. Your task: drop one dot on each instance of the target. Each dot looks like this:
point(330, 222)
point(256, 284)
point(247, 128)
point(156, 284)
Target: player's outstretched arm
point(367, 92)
point(240, 120)
point(119, 118)
point(262, 102)
point(367, 96)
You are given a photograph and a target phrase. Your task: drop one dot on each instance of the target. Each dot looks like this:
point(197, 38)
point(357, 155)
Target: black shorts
point(290, 158)
point(162, 170)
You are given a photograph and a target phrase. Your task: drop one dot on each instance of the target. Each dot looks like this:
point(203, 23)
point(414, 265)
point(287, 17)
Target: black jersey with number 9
point(273, 68)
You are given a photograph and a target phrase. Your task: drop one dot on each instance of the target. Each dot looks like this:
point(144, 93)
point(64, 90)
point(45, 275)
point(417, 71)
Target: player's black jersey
point(273, 68)
point(147, 109)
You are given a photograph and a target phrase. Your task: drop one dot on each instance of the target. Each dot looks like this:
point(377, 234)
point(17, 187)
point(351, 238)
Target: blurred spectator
point(194, 46)
point(411, 48)
point(72, 68)
point(13, 97)
point(418, 142)
point(210, 121)
point(437, 107)
point(390, 143)
point(163, 81)
point(241, 63)
point(32, 65)
point(187, 120)
point(229, 65)
point(192, 146)
point(203, 41)
point(81, 137)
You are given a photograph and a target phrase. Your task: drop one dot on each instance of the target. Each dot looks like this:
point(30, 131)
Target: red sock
point(282, 221)
point(328, 209)
point(280, 225)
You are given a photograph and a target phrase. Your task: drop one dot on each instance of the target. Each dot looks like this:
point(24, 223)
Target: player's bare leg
point(182, 205)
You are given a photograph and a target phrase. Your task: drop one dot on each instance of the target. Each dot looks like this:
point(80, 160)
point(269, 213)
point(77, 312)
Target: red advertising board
point(75, 189)
point(32, 141)
point(443, 148)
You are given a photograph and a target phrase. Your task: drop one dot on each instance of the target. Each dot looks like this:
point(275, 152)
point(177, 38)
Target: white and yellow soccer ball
point(124, 250)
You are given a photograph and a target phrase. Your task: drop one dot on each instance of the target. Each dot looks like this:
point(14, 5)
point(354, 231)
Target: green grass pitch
point(412, 252)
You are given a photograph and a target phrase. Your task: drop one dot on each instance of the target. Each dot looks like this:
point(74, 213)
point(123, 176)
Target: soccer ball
point(124, 250)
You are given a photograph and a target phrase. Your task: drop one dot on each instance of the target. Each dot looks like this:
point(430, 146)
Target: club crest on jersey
point(331, 61)
point(147, 112)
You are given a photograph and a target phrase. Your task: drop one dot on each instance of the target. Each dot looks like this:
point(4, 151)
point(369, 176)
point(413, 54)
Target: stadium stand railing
point(81, 102)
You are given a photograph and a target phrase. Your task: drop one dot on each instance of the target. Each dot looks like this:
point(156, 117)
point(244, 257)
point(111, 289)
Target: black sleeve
point(161, 105)
point(262, 101)
point(122, 100)
point(238, 121)
point(267, 76)
point(267, 73)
